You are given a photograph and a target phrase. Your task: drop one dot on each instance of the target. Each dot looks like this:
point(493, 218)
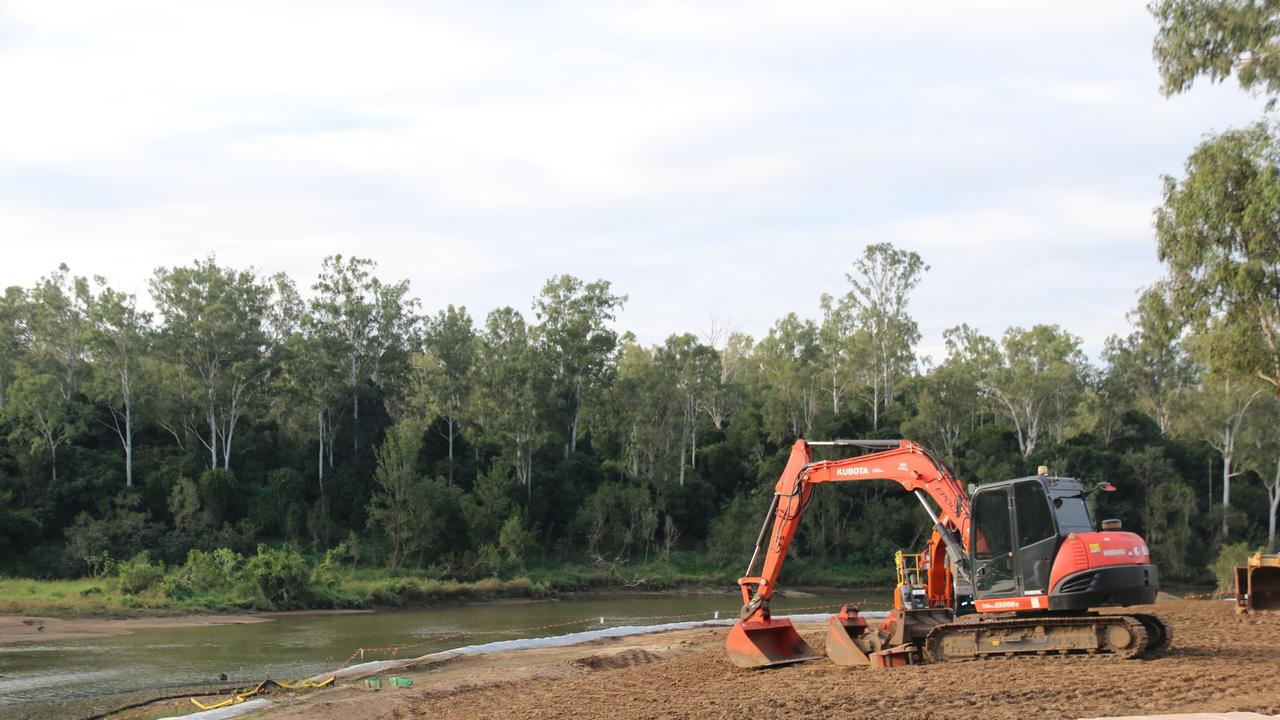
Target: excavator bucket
point(1258, 585)
point(762, 643)
point(849, 640)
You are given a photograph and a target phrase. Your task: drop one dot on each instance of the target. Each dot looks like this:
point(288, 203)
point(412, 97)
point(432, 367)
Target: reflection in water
point(293, 646)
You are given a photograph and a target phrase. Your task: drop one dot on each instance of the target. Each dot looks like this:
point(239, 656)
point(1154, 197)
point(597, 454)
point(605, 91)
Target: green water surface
point(294, 646)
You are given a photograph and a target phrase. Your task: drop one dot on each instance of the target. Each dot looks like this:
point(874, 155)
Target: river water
point(301, 645)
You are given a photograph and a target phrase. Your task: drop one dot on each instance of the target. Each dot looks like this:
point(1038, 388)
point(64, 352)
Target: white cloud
point(724, 159)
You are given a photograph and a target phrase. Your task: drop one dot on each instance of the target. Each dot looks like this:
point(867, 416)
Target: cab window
point(1031, 507)
point(1073, 513)
point(993, 536)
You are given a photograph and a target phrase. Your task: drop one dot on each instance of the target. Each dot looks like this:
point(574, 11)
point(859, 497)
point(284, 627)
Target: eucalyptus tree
point(1151, 360)
point(1219, 234)
point(693, 369)
point(214, 330)
point(838, 359)
point(946, 401)
point(42, 415)
point(120, 339)
point(735, 366)
point(59, 327)
point(1218, 39)
point(512, 381)
point(14, 336)
point(881, 284)
point(790, 375)
point(311, 385)
point(374, 323)
point(1167, 506)
point(397, 336)
point(343, 309)
point(1216, 413)
point(45, 394)
point(641, 406)
point(1262, 455)
point(393, 507)
point(573, 333)
point(443, 372)
point(1035, 376)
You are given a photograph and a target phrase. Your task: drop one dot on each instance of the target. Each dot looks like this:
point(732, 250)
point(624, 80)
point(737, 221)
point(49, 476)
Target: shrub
point(177, 587)
point(326, 577)
point(1224, 566)
point(281, 577)
point(138, 574)
point(515, 539)
point(206, 571)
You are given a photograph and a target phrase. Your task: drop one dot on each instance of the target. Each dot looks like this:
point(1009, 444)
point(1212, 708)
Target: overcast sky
point(723, 160)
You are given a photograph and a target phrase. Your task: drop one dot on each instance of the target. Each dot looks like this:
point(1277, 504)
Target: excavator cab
point(1033, 547)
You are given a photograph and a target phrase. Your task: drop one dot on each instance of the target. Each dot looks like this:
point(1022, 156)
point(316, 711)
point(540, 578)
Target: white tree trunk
point(1273, 494)
point(320, 448)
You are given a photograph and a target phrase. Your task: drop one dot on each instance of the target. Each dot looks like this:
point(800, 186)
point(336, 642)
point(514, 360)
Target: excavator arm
point(901, 461)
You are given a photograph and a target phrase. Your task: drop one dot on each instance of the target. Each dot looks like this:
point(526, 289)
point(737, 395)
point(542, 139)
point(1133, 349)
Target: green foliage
point(326, 576)
point(516, 540)
point(220, 496)
point(138, 574)
point(280, 576)
point(733, 532)
point(207, 571)
point(1224, 566)
point(94, 544)
point(558, 438)
point(279, 508)
point(1218, 231)
point(1217, 38)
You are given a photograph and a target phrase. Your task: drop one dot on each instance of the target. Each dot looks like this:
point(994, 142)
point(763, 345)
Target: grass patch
point(366, 587)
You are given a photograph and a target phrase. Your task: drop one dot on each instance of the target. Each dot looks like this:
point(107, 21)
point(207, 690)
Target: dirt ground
point(1219, 662)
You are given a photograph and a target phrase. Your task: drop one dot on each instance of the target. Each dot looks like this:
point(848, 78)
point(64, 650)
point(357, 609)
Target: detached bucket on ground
point(1258, 585)
point(849, 640)
point(762, 643)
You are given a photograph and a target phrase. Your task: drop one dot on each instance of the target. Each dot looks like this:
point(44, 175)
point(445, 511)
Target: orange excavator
point(1011, 568)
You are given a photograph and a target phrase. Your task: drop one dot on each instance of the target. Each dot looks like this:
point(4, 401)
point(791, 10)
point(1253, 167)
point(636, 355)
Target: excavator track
point(1159, 634)
point(1119, 636)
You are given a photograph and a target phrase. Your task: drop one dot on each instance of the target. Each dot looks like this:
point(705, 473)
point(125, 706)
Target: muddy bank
point(1219, 662)
point(20, 629)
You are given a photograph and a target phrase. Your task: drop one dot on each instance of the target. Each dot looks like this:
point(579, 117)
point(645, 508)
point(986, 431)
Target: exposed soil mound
point(624, 659)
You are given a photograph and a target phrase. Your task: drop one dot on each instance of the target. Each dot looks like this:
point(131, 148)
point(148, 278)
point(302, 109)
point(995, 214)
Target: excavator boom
point(758, 640)
point(903, 461)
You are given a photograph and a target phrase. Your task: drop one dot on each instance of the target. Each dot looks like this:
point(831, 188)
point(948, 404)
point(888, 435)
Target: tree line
point(238, 408)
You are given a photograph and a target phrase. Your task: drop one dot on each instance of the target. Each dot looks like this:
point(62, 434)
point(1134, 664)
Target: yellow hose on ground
point(240, 697)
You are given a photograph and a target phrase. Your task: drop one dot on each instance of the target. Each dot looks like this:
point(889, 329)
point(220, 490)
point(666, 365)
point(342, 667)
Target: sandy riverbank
point(20, 629)
point(16, 629)
point(1219, 662)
